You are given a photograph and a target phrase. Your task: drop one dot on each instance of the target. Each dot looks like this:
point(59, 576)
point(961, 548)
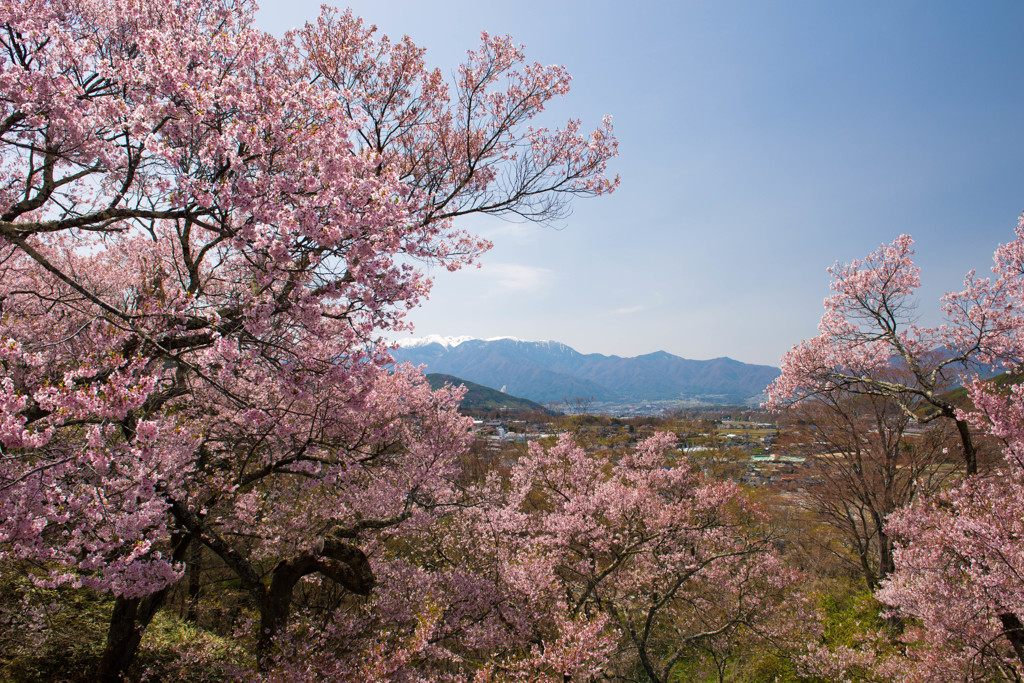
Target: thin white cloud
point(517, 277)
point(519, 233)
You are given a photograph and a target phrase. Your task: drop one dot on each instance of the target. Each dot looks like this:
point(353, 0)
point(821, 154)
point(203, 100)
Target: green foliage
point(745, 664)
point(772, 667)
point(49, 634)
point(853, 622)
point(850, 615)
point(57, 634)
point(175, 651)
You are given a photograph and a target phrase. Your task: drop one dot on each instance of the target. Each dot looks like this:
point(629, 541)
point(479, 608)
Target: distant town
point(739, 443)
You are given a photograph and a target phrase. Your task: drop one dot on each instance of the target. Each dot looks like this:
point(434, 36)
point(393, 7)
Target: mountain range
point(551, 372)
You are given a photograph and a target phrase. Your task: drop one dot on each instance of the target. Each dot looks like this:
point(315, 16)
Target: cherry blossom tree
point(957, 553)
point(961, 557)
point(869, 342)
point(459, 597)
point(672, 562)
point(864, 465)
point(205, 233)
point(572, 567)
point(958, 563)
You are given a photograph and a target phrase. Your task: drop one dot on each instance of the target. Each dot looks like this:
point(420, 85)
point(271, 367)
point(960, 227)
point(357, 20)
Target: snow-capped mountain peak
point(446, 342)
point(549, 371)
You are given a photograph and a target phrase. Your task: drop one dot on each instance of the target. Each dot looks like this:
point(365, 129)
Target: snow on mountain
point(446, 342)
point(549, 371)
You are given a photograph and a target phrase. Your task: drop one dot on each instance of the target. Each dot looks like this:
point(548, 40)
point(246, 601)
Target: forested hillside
point(479, 398)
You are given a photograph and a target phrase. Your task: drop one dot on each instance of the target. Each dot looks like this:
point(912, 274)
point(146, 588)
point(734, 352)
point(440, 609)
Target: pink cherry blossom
point(205, 235)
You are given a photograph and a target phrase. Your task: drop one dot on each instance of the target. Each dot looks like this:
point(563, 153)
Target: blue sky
point(760, 142)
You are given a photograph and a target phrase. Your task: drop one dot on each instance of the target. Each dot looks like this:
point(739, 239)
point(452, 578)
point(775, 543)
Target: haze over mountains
point(551, 372)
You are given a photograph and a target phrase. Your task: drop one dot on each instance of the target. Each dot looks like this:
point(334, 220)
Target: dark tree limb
point(128, 623)
point(340, 562)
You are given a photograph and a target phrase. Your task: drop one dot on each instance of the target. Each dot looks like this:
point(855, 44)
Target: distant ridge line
point(551, 372)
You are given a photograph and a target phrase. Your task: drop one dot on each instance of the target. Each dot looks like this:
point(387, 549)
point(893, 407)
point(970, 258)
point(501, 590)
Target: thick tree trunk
point(128, 623)
point(344, 564)
point(970, 451)
point(645, 661)
point(1013, 629)
point(886, 563)
point(861, 542)
point(865, 566)
point(194, 581)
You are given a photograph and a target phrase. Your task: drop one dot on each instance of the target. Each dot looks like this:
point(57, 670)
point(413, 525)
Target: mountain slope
point(479, 397)
point(552, 372)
